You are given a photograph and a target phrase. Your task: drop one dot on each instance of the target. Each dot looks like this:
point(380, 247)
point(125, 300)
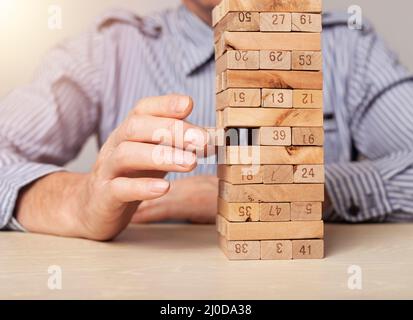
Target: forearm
point(372, 190)
point(50, 205)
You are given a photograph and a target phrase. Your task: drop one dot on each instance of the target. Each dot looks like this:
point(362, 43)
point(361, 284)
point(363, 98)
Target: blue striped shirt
point(88, 85)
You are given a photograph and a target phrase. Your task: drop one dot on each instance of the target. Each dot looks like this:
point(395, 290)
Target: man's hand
point(193, 199)
point(129, 169)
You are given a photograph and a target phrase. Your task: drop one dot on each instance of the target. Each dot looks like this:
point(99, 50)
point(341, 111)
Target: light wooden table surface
point(184, 262)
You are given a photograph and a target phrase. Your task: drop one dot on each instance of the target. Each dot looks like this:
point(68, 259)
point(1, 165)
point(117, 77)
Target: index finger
point(171, 106)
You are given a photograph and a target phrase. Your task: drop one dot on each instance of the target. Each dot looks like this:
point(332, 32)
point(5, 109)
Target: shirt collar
point(196, 40)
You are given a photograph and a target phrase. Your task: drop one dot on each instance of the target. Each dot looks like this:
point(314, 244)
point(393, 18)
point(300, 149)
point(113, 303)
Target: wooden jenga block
point(218, 83)
point(277, 174)
point(272, 212)
point(245, 155)
point(241, 250)
point(239, 98)
point(265, 117)
point(309, 174)
point(275, 60)
point(238, 60)
point(271, 193)
point(306, 22)
point(273, 136)
point(239, 212)
point(277, 98)
point(308, 249)
point(277, 250)
point(306, 211)
point(308, 99)
point(307, 136)
point(220, 11)
point(238, 21)
point(275, 22)
point(253, 231)
point(272, 79)
point(241, 174)
point(283, 41)
point(307, 60)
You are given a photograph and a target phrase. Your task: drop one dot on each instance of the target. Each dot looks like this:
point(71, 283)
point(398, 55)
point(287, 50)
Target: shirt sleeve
point(380, 107)
point(44, 124)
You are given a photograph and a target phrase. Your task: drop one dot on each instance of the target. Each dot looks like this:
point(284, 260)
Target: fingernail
point(196, 138)
point(182, 104)
point(159, 186)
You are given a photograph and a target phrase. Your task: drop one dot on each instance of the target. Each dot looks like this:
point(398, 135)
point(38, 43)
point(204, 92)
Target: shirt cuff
point(12, 179)
point(357, 192)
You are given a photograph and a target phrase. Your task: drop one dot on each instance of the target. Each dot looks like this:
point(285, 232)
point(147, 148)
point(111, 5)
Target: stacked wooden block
point(269, 84)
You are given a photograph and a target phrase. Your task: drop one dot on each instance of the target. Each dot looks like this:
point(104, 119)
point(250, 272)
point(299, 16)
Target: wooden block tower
point(269, 84)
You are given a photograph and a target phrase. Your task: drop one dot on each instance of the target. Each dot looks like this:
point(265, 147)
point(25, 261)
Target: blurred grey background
point(25, 36)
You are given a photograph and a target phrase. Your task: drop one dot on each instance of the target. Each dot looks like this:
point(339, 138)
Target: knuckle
point(132, 126)
point(121, 153)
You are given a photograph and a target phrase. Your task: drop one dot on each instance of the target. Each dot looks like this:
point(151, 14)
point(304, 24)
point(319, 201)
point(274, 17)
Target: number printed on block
point(309, 174)
point(275, 60)
point(306, 211)
point(277, 250)
point(270, 212)
point(308, 99)
point(243, 60)
point(307, 136)
point(308, 249)
point(277, 174)
point(277, 98)
point(240, 174)
point(241, 250)
point(306, 22)
point(275, 136)
point(307, 60)
point(239, 212)
point(279, 22)
point(238, 98)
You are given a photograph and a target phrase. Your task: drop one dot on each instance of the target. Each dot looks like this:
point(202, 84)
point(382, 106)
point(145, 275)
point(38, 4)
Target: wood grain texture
point(282, 41)
point(238, 21)
point(239, 212)
point(240, 250)
point(277, 250)
point(308, 99)
point(267, 155)
point(241, 174)
point(306, 211)
point(239, 98)
point(310, 173)
point(272, 79)
point(275, 60)
point(225, 6)
point(252, 231)
point(308, 249)
point(273, 212)
point(273, 136)
point(238, 60)
point(275, 22)
point(271, 193)
point(277, 174)
point(308, 136)
point(183, 261)
point(270, 117)
point(306, 22)
point(307, 60)
point(277, 98)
